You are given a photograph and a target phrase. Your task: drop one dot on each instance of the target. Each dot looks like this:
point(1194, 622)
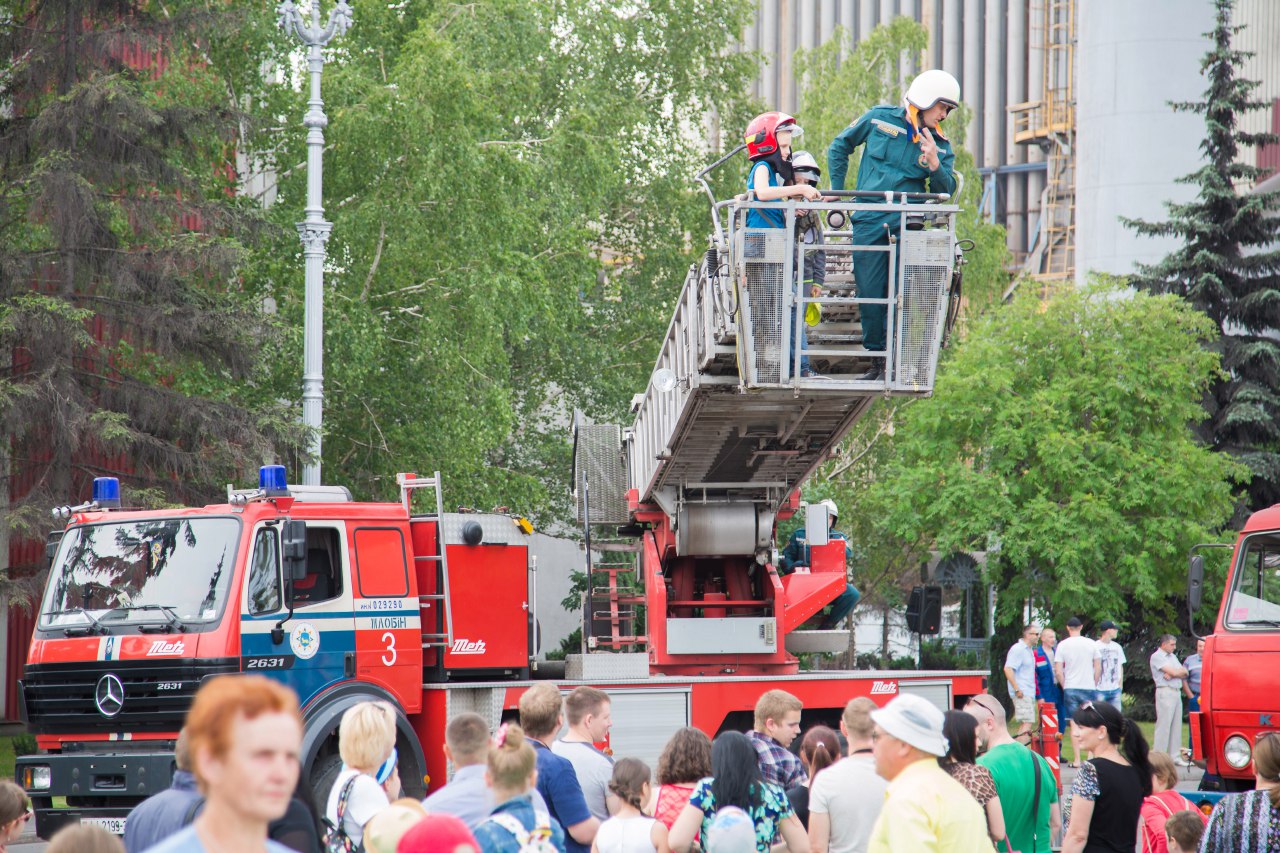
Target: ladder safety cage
point(763, 277)
point(728, 414)
point(409, 483)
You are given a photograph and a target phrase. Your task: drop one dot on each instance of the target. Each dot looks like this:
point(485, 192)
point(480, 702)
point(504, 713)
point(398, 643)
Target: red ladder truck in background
point(434, 612)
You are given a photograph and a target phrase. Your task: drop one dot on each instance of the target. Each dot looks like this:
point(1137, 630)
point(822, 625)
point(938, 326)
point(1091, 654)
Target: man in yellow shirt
point(925, 810)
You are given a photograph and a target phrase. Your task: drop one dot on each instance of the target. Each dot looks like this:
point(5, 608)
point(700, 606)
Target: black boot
point(874, 374)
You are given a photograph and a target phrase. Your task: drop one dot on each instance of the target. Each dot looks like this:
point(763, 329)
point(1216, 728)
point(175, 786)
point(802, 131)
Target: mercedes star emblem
point(109, 695)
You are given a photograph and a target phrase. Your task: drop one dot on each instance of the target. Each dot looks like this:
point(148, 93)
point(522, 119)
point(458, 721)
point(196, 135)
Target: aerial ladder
point(729, 428)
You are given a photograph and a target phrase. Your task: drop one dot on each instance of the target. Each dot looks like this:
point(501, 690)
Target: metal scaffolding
point(1050, 123)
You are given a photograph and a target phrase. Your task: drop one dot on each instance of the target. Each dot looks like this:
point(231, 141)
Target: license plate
point(114, 825)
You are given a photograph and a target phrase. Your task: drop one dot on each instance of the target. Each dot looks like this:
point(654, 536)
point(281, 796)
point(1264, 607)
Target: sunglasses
point(977, 700)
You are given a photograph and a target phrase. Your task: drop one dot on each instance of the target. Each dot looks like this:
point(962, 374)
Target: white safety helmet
point(803, 161)
point(932, 86)
point(832, 509)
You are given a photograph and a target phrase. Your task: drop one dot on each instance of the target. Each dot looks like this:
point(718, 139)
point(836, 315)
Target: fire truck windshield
point(1254, 601)
point(163, 574)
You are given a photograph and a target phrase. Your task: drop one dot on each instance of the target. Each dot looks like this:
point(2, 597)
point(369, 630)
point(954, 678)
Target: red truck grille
point(115, 696)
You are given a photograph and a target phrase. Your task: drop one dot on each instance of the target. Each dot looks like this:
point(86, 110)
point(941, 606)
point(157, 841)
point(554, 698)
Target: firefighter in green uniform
point(905, 149)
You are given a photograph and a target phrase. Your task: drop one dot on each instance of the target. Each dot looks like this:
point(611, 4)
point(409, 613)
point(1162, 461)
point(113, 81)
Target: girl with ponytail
point(515, 824)
point(1107, 794)
point(819, 749)
point(631, 830)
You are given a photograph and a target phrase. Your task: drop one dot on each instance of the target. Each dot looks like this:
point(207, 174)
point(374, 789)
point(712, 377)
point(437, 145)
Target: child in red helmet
point(769, 137)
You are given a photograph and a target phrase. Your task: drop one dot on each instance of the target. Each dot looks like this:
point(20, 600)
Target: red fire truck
point(433, 611)
point(1239, 686)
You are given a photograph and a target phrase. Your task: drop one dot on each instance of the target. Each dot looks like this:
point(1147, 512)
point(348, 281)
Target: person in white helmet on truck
point(906, 151)
point(797, 554)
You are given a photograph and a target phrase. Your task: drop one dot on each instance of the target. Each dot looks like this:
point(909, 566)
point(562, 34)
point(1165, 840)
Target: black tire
point(323, 774)
point(411, 784)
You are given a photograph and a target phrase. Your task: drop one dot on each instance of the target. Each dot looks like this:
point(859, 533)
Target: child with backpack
point(631, 830)
point(514, 825)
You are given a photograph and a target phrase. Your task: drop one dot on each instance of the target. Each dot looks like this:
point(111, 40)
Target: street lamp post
point(314, 230)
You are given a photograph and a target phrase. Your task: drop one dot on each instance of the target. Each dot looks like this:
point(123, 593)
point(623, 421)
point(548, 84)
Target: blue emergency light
point(273, 480)
point(106, 492)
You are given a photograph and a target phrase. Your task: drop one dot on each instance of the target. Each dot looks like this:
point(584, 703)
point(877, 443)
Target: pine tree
point(1228, 266)
point(128, 345)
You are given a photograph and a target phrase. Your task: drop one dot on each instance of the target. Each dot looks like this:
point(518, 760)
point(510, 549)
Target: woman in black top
point(819, 749)
point(1107, 794)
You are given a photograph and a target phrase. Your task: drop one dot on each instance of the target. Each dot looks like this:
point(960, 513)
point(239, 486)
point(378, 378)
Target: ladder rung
point(434, 596)
point(432, 557)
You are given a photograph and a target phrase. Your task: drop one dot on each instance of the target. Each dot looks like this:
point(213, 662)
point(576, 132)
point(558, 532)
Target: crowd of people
point(902, 777)
point(1081, 669)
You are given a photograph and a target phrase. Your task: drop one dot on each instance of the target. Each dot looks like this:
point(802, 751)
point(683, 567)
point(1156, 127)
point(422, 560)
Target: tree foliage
point(510, 184)
point(1227, 265)
point(1057, 441)
point(129, 342)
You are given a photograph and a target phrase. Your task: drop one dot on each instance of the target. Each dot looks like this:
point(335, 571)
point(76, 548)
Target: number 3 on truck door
point(389, 658)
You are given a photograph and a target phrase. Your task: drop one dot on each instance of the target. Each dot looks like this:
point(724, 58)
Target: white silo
point(1133, 58)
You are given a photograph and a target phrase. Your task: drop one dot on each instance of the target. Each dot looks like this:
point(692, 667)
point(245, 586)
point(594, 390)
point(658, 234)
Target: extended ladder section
point(437, 611)
point(729, 417)
point(762, 372)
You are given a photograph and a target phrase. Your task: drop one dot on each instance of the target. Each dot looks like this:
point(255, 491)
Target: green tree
point(128, 340)
point(511, 186)
point(1057, 441)
point(1227, 265)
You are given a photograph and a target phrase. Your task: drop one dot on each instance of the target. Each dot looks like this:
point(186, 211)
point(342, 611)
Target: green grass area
point(6, 758)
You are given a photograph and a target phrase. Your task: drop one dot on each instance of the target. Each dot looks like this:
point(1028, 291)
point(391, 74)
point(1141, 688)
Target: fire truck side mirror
point(293, 540)
point(51, 547)
point(1195, 582)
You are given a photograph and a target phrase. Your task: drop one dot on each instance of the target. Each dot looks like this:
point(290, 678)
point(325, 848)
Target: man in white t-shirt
point(589, 714)
point(1078, 665)
point(1111, 661)
point(845, 799)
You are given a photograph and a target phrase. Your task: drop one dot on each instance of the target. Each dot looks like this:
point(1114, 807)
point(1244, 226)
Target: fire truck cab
point(342, 601)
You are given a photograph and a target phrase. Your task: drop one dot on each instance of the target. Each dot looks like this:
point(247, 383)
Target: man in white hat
point(924, 808)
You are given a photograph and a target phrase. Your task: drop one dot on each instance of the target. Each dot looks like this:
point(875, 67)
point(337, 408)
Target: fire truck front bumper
point(98, 788)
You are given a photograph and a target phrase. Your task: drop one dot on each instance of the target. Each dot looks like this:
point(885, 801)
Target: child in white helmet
point(813, 263)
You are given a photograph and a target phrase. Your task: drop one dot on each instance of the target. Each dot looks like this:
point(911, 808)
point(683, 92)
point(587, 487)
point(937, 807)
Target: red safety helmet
point(762, 133)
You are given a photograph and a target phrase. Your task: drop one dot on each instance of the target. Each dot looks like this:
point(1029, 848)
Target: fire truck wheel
point(323, 774)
